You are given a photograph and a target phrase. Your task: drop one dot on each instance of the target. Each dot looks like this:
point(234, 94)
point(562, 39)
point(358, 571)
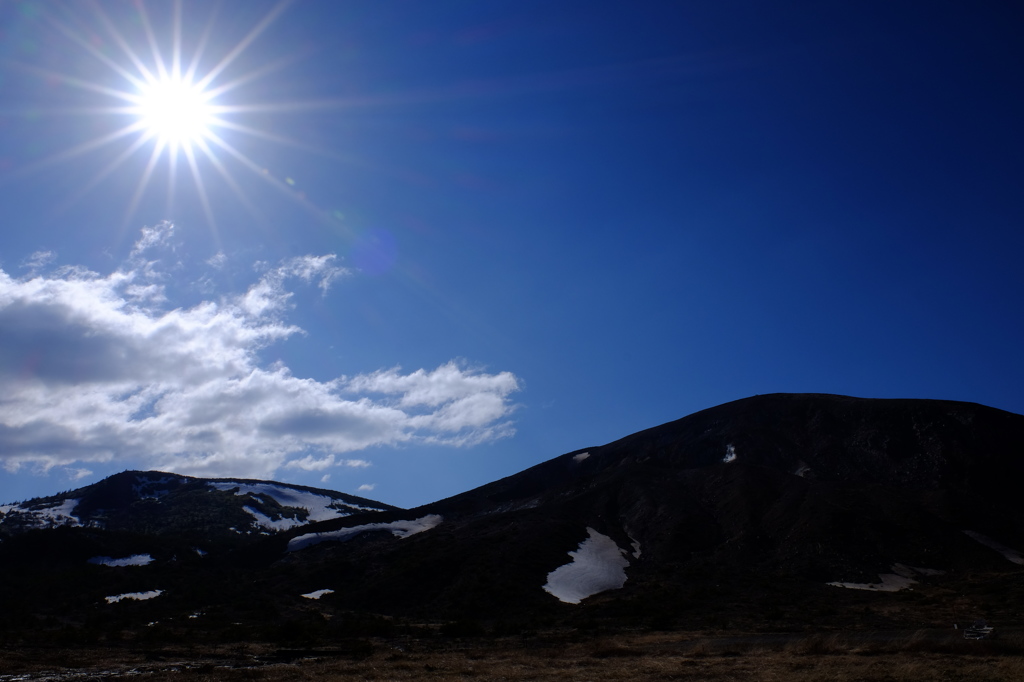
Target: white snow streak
point(141, 596)
point(133, 560)
point(317, 594)
point(59, 514)
point(580, 457)
point(320, 507)
point(400, 529)
point(1010, 554)
point(597, 565)
point(284, 523)
point(890, 582)
point(730, 454)
point(901, 578)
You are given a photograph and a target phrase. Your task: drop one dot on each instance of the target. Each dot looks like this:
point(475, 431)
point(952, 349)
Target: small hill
point(159, 503)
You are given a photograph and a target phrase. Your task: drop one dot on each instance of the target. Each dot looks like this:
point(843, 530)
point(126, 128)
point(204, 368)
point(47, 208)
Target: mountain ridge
point(829, 489)
point(767, 509)
point(144, 501)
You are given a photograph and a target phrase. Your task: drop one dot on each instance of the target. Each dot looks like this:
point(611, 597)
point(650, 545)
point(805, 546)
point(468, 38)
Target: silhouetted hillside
point(777, 510)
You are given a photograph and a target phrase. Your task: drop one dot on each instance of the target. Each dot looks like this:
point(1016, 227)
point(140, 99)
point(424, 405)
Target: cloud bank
point(100, 368)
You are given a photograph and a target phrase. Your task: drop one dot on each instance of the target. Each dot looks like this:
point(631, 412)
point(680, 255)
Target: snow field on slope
point(316, 594)
point(400, 529)
point(140, 596)
point(730, 454)
point(901, 578)
point(58, 515)
point(133, 560)
point(318, 506)
point(597, 565)
point(265, 521)
point(890, 582)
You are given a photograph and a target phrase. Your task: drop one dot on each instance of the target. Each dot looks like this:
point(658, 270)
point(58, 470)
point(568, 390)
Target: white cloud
point(98, 368)
point(217, 260)
point(431, 389)
point(152, 237)
point(366, 488)
point(311, 463)
point(38, 260)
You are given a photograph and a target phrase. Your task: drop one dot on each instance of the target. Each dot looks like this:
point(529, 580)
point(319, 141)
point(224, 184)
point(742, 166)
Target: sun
point(163, 90)
point(175, 111)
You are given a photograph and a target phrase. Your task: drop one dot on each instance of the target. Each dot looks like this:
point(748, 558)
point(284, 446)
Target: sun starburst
point(175, 111)
point(176, 105)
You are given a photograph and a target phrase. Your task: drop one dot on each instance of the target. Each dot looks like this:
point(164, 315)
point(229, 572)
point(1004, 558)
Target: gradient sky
point(428, 245)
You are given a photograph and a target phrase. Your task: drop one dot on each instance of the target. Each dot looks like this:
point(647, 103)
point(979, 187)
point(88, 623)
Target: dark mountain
point(159, 503)
point(800, 490)
point(773, 511)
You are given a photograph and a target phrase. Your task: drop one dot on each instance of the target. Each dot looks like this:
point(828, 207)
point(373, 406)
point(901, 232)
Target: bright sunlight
point(174, 110)
point(174, 103)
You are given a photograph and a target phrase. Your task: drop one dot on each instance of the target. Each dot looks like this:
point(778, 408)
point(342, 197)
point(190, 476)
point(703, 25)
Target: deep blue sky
point(606, 215)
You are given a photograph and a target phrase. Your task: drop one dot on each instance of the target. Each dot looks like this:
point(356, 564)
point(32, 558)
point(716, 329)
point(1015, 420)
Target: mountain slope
point(787, 508)
point(809, 488)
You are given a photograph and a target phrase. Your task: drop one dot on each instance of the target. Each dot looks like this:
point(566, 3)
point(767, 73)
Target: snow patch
point(730, 454)
point(264, 521)
point(890, 582)
point(400, 529)
point(133, 560)
point(319, 507)
point(317, 594)
point(141, 596)
point(802, 470)
point(901, 578)
point(580, 457)
point(597, 565)
point(59, 514)
point(1009, 553)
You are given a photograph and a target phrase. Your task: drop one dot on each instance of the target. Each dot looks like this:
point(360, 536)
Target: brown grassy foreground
point(885, 657)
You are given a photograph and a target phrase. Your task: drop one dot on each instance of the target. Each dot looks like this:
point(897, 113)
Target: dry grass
point(666, 656)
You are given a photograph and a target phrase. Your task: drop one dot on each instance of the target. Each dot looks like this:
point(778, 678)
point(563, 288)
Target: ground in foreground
point(871, 656)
